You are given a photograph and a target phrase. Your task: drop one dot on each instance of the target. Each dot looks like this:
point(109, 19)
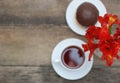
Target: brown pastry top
point(87, 14)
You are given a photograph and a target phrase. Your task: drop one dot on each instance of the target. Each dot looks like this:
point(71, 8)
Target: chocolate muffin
point(87, 14)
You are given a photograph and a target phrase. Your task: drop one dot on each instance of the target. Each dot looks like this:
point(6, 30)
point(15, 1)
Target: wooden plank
point(112, 6)
point(24, 12)
point(32, 12)
point(45, 74)
point(33, 45)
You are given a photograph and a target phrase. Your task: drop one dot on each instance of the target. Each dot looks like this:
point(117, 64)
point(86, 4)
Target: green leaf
point(110, 30)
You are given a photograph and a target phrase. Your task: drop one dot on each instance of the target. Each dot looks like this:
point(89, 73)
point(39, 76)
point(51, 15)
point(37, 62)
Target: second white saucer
point(71, 14)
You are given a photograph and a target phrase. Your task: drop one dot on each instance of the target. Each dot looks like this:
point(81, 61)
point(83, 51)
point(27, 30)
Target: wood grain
point(29, 12)
point(33, 12)
point(45, 74)
point(31, 45)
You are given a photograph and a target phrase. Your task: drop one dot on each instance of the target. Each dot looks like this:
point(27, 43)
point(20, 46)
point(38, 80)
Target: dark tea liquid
point(73, 57)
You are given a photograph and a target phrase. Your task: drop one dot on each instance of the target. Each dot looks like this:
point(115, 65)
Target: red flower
point(92, 33)
point(108, 19)
point(107, 48)
point(108, 43)
point(90, 46)
point(104, 34)
point(109, 59)
point(117, 34)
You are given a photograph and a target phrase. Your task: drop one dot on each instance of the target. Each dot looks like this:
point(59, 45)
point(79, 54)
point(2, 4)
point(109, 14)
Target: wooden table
point(29, 30)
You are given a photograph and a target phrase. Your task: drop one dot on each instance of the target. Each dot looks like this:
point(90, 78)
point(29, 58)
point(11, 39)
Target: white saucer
point(72, 74)
point(71, 14)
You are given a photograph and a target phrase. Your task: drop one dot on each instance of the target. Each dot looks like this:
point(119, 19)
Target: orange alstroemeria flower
point(109, 44)
point(108, 19)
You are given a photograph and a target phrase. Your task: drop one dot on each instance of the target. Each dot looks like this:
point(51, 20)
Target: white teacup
point(72, 57)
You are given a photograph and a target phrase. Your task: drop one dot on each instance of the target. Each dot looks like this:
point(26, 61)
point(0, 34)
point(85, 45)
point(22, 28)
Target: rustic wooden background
point(29, 30)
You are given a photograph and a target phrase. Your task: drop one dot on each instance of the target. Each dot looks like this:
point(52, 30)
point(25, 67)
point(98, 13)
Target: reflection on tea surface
point(73, 57)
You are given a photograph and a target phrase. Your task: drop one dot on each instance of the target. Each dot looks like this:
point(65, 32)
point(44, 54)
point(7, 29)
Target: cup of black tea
point(72, 57)
point(69, 59)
